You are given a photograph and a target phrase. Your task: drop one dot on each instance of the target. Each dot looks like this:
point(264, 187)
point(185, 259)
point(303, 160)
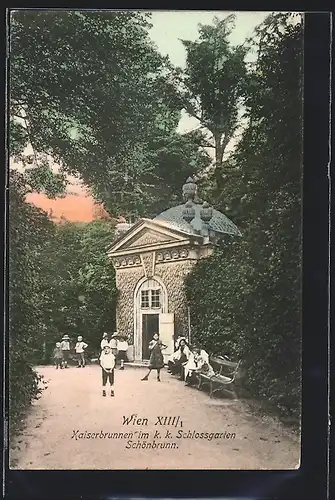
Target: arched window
point(150, 301)
point(151, 295)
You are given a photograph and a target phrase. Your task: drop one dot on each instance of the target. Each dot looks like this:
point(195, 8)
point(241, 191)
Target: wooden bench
point(223, 380)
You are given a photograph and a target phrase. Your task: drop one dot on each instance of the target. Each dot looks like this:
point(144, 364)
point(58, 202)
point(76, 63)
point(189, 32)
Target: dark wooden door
point(150, 326)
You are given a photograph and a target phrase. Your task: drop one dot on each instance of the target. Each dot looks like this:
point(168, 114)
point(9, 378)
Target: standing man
point(65, 347)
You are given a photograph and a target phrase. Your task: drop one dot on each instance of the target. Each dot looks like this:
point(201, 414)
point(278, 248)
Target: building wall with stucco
point(151, 256)
point(173, 276)
point(126, 281)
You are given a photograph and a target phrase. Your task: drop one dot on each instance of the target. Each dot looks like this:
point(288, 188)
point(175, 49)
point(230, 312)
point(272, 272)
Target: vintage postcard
point(154, 239)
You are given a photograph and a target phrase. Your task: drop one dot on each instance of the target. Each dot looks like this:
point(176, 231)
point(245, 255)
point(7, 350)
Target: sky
point(171, 26)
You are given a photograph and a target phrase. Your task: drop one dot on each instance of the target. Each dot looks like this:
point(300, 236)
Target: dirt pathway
point(73, 427)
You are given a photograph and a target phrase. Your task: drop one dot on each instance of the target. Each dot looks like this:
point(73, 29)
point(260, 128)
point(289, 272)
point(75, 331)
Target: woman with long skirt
point(156, 361)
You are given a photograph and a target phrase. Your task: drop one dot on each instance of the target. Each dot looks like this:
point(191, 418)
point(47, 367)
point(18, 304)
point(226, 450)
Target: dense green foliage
point(212, 87)
point(29, 233)
point(81, 284)
point(89, 90)
point(245, 299)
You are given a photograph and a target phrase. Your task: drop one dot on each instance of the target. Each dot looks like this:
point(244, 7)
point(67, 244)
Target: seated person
point(179, 357)
point(198, 363)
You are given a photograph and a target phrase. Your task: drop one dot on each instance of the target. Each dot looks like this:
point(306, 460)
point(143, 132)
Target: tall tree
point(211, 87)
point(88, 90)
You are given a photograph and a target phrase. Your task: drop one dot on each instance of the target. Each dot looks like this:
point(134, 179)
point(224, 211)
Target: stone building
point(152, 258)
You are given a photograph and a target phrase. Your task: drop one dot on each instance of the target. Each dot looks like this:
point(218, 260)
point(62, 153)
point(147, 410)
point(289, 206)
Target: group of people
point(62, 351)
point(186, 362)
point(113, 347)
point(183, 361)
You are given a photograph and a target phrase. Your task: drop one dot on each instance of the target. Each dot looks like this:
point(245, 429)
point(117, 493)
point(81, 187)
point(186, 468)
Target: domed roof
point(218, 223)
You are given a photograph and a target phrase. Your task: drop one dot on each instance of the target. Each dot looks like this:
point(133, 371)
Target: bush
point(23, 389)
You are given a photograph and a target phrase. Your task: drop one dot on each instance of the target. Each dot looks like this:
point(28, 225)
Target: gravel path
point(72, 404)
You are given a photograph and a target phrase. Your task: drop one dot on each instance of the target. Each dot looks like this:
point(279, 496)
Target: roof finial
point(206, 213)
point(188, 211)
point(189, 189)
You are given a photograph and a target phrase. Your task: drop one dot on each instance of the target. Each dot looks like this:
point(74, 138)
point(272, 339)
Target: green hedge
point(24, 387)
point(243, 307)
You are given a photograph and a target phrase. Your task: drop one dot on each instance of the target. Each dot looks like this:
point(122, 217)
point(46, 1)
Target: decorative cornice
point(124, 262)
point(164, 255)
point(174, 254)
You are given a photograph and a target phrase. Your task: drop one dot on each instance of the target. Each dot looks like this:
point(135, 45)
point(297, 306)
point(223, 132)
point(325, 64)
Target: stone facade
point(147, 238)
point(173, 275)
point(148, 252)
point(126, 281)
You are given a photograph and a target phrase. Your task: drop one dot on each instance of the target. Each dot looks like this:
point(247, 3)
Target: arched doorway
point(150, 300)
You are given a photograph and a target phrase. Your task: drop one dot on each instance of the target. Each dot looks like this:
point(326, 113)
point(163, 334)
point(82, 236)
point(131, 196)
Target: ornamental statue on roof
point(152, 258)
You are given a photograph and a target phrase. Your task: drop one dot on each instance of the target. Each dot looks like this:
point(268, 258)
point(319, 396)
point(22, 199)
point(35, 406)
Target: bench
point(223, 380)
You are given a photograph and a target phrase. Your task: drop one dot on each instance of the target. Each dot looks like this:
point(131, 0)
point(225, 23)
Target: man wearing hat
point(65, 347)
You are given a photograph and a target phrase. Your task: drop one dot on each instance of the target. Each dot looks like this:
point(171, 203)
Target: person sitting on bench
point(197, 363)
point(179, 357)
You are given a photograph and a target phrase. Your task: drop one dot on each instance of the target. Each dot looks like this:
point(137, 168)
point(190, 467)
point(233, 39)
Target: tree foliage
point(211, 88)
point(29, 233)
point(82, 283)
point(88, 89)
point(246, 298)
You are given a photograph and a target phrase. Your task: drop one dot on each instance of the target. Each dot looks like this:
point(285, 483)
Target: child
point(58, 356)
point(156, 361)
point(122, 347)
point(80, 348)
point(65, 346)
point(104, 341)
point(107, 363)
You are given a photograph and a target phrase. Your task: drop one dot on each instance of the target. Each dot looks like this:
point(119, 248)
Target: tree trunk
point(218, 160)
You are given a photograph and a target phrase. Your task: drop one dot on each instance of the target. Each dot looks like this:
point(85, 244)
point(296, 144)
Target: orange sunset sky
point(73, 207)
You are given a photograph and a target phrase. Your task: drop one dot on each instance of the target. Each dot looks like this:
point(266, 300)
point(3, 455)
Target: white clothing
point(103, 343)
point(197, 362)
point(122, 345)
point(190, 365)
point(80, 347)
point(65, 345)
point(204, 356)
point(178, 342)
point(107, 361)
point(177, 354)
point(112, 343)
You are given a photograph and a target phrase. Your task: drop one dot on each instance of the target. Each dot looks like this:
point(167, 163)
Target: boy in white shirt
point(122, 346)
point(107, 363)
point(80, 351)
